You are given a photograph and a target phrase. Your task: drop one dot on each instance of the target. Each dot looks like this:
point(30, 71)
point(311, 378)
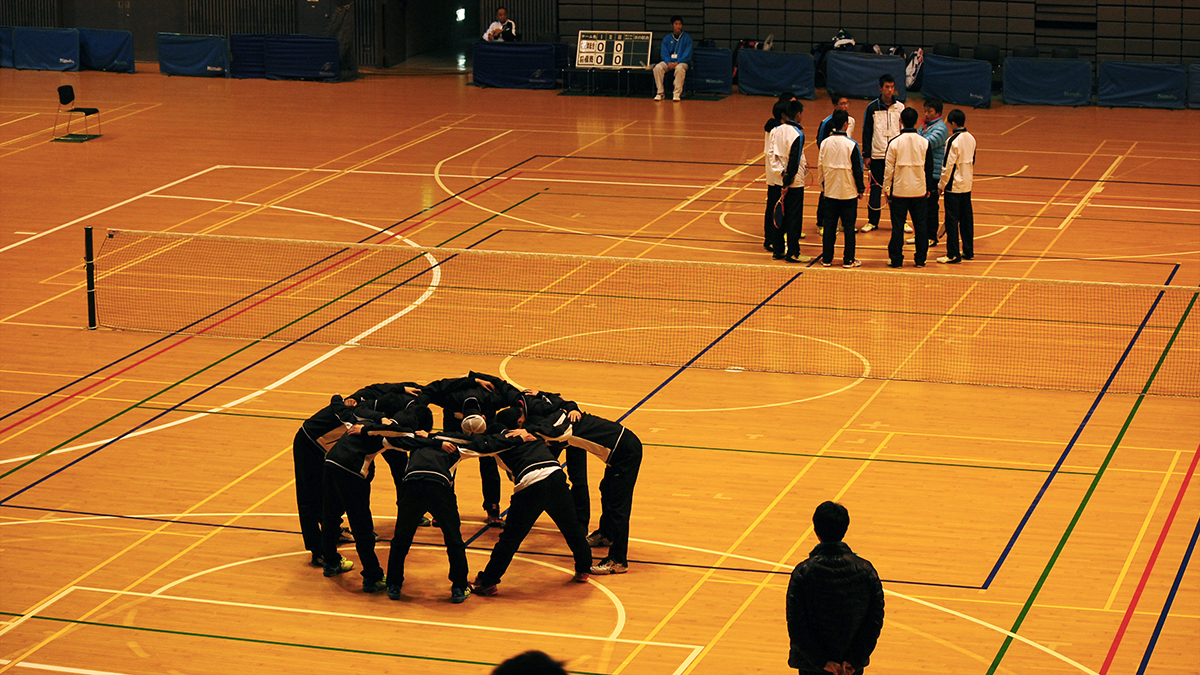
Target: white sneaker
point(908, 228)
point(658, 97)
point(676, 99)
point(867, 228)
point(910, 240)
point(856, 263)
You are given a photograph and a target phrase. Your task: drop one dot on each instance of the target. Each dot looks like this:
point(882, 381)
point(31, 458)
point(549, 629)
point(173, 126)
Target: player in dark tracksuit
point(538, 404)
point(346, 490)
point(428, 487)
point(313, 439)
point(621, 451)
point(476, 393)
point(386, 399)
point(538, 486)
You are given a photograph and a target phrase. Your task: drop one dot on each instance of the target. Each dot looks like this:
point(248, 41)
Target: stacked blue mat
point(773, 73)
point(857, 75)
point(66, 49)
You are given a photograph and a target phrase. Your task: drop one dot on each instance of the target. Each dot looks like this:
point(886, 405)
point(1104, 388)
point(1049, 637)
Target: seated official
point(676, 56)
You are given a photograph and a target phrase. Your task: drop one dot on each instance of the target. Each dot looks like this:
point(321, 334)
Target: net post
point(89, 267)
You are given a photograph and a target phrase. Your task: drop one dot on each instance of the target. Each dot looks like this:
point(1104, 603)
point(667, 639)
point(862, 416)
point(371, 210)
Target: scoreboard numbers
point(614, 49)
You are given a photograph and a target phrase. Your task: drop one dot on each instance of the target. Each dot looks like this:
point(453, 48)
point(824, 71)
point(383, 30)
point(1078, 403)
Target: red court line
point(218, 323)
point(182, 341)
point(1162, 537)
point(457, 202)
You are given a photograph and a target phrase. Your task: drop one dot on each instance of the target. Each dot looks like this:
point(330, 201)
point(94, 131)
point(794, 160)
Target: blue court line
point(704, 351)
point(681, 368)
point(1162, 617)
point(209, 388)
point(261, 290)
point(1074, 438)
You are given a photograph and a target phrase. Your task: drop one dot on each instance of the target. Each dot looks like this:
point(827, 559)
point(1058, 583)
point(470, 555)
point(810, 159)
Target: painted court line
point(1141, 586)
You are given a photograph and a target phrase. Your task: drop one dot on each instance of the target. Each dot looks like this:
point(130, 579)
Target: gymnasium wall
point(1136, 30)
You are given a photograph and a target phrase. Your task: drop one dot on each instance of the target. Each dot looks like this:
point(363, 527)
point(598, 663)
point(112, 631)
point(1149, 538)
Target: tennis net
point(890, 325)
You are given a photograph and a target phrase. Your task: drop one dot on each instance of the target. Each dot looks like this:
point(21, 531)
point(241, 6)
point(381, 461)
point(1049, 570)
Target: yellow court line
point(627, 238)
point(44, 131)
point(766, 579)
point(66, 588)
point(1027, 121)
point(1095, 189)
point(588, 145)
point(947, 645)
point(1137, 541)
point(708, 574)
point(42, 419)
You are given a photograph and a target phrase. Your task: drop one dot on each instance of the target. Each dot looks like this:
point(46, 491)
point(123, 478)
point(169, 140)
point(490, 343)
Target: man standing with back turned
point(676, 56)
point(834, 602)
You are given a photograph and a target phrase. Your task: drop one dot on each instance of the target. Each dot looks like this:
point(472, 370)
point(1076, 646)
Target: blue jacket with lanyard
point(677, 50)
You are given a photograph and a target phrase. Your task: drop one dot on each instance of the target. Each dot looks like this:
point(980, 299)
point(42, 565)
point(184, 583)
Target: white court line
point(105, 209)
point(862, 359)
point(435, 281)
point(760, 561)
point(373, 618)
point(59, 669)
point(620, 608)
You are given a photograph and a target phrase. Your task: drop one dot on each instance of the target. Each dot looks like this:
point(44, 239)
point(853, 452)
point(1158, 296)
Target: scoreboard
point(613, 49)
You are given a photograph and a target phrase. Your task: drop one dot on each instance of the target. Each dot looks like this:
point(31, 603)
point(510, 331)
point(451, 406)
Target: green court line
point(213, 364)
point(485, 220)
point(869, 459)
point(1062, 544)
point(274, 643)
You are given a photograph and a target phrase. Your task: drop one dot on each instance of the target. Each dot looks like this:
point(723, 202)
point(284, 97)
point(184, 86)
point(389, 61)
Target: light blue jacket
point(936, 133)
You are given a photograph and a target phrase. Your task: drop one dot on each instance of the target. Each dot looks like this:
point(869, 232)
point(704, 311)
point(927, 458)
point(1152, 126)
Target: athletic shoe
point(495, 521)
point(968, 257)
point(776, 256)
point(854, 263)
point(826, 264)
point(910, 240)
point(425, 521)
point(460, 595)
point(803, 236)
point(580, 577)
point(919, 265)
point(895, 265)
point(820, 231)
point(948, 260)
point(610, 566)
point(597, 540)
point(317, 561)
point(797, 259)
point(867, 228)
point(658, 97)
point(479, 589)
point(342, 566)
point(676, 98)
point(344, 537)
point(908, 228)
point(374, 586)
point(393, 591)
point(933, 242)
point(767, 246)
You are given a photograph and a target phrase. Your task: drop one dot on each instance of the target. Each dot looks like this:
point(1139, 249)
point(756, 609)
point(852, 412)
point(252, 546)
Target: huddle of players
point(484, 417)
point(910, 167)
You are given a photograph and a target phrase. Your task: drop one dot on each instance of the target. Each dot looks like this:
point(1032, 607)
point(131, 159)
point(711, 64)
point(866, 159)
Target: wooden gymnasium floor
point(1018, 531)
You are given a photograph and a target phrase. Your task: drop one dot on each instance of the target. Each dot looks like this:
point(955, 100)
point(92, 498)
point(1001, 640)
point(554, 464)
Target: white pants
point(660, 69)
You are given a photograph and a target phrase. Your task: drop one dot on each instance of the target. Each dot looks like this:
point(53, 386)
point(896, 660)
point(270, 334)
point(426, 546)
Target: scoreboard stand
point(625, 53)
